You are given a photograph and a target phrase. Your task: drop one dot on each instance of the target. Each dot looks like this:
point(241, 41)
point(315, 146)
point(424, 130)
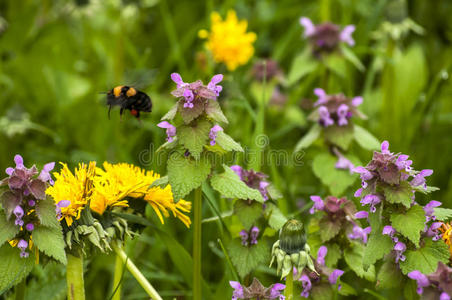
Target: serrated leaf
point(410, 224)
point(277, 218)
point(322, 291)
point(354, 258)
point(273, 192)
point(229, 185)
point(365, 139)
point(213, 110)
point(8, 229)
point(248, 213)
point(426, 258)
point(389, 275)
point(50, 241)
point(9, 201)
point(347, 290)
point(340, 136)
point(171, 113)
point(189, 114)
point(246, 259)
point(186, 174)
point(45, 210)
point(442, 214)
point(302, 65)
point(309, 138)
point(194, 136)
point(329, 228)
point(227, 143)
point(335, 179)
point(168, 145)
point(400, 194)
point(160, 182)
point(377, 246)
point(14, 268)
point(351, 57)
point(333, 255)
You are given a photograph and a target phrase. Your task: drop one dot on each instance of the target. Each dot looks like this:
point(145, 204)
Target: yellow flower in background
point(71, 192)
point(228, 40)
point(118, 181)
point(446, 229)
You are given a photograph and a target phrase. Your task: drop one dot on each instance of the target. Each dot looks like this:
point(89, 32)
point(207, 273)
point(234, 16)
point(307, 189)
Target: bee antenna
point(103, 92)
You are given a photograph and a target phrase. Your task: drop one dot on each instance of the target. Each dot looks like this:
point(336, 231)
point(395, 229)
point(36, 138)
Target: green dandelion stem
point(74, 278)
point(117, 279)
point(149, 289)
point(288, 292)
point(197, 244)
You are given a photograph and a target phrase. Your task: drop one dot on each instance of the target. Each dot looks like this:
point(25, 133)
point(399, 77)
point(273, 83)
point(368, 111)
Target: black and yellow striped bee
point(129, 98)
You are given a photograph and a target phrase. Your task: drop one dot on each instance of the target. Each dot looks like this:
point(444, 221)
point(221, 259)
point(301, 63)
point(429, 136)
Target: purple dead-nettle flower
point(342, 112)
point(419, 179)
point(191, 92)
point(325, 119)
point(45, 173)
point(442, 280)
point(212, 85)
point(22, 245)
point(178, 80)
point(238, 170)
point(244, 235)
point(253, 179)
point(429, 210)
point(400, 248)
point(59, 205)
point(359, 233)
point(444, 296)
point(433, 231)
point(31, 203)
point(254, 233)
point(306, 284)
point(213, 134)
point(321, 254)
point(326, 37)
point(421, 280)
point(257, 291)
point(323, 97)
point(318, 204)
point(372, 200)
point(334, 276)
point(238, 290)
point(19, 213)
point(389, 230)
point(170, 130)
point(343, 162)
point(362, 214)
point(30, 227)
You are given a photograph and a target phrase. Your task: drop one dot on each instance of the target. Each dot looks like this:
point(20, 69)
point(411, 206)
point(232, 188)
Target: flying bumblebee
point(129, 98)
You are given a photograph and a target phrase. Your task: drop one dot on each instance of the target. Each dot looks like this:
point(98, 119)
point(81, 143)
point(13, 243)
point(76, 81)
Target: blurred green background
point(56, 57)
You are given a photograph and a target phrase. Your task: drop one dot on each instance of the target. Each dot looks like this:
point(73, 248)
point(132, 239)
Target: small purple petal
point(421, 279)
point(323, 250)
point(346, 35)
point(309, 28)
point(63, 203)
point(356, 101)
point(9, 171)
point(385, 147)
point(18, 212)
point(19, 161)
point(22, 245)
point(358, 192)
point(318, 203)
point(362, 214)
point(30, 227)
point(335, 275)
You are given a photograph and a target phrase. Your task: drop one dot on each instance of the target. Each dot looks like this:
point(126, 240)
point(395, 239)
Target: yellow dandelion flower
point(118, 181)
point(75, 188)
point(446, 229)
point(228, 40)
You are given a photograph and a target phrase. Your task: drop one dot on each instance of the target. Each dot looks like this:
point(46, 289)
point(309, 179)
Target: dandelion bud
point(292, 237)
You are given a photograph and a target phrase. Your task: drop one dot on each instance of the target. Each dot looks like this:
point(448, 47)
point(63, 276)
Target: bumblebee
point(129, 98)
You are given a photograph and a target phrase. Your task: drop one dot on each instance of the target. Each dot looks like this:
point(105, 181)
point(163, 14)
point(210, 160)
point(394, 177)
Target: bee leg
point(109, 109)
point(120, 114)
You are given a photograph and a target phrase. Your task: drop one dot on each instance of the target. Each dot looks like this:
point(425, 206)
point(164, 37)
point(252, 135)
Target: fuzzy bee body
point(129, 98)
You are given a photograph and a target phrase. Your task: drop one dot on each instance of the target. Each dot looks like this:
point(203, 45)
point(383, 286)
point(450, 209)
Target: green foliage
point(189, 115)
point(45, 210)
point(277, 219)
point(399, 194)
point(426, 258)
point(322, 291)
point(442, 214)
point(213, 110)
point(8, 229)
point(354, 258)
point(14, 268)
point(302, 65)
point(227, 143)
point(389, 275)
point(229, 185)
point(246, 259)
point(365, 139)
point(49, 240)
point(248, 212)
point(377, 246)
point(194, 136)
point(309, 138)
point(341, 136)
point(329, 228)
point(333, 255)
point(186, 174)
point(410, 224)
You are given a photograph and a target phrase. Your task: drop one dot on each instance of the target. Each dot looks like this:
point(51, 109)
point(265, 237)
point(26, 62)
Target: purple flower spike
point(213, 84)
point(306, 283)
point(309, 28)
point(18, 212)
point(213, 134)
point(400, 249)
point(318, 204)
point(342, 111)
point(238, 170)
point(238, 290)
point(365, 174)
point(170, 130)
point(30, 227)
point(346, 35)
point(254, 234)
point(372, 200)
point(419, 178)
point(359, 233)
point(421, 280)
point(178, 80)
point(335, 275)
point(245, 236)
point(45, 173)
point(276, 291)
point(325, 119)
point(323, 250)
point(189, 97)
point(322, 96)
point(19, 161)
point(356, 101)
point(433, 231)
point(362, 214)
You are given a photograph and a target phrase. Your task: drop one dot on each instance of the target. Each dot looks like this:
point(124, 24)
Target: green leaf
point(365, 139)
point(442, 214)
point(248, 213)
point(273, 192)
point(329, 228)
point(377, 246)
point(339, 135)
point(49, 240)
point(302, 65)
point(171, 113)
point(322, 291)
point(161, 182)
point(400, 194)
point(277, 218)
point(347, 290)
point(426, 258)
point(351, 57)
point(7, 228)
point(189, 114)
point(45, 210)
point(354, 258)
point(186, 174)
point(308, 138)
point(333, 255)
point(14, 268)
point(389, 275)
point(410, 224)
point(227, 143)
point(194, 136)
point(336, 180)
point(246, 259)
point(229, 185)
point(213, 110)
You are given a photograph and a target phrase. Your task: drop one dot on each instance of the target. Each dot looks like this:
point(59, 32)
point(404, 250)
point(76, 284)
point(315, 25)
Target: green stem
point(74, 278)
point(20, 290)
point(149, 289)
point(288, 292)
point(117, 279)
point(197, 242)
point(325, 10)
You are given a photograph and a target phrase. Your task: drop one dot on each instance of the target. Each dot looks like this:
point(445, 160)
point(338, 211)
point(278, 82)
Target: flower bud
point(292, 237)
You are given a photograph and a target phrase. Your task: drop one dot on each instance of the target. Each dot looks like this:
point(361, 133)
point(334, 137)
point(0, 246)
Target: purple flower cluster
point(326, 37)
point(308, 280)
point(257, 291)
point(253, 179)
point(195, 90)
point(335, 109)
point(170, 130)
point(25, 190)
point(213, 134)
point(438, 283)
point(249, 238)
point(387, 169)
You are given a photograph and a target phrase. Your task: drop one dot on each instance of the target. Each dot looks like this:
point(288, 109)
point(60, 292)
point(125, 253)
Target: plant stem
point(117, 279)
point(74, 277)
point(325, 10)
point(288, 292)
point(197, 242)
point(149, 289)
point(20, 290)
